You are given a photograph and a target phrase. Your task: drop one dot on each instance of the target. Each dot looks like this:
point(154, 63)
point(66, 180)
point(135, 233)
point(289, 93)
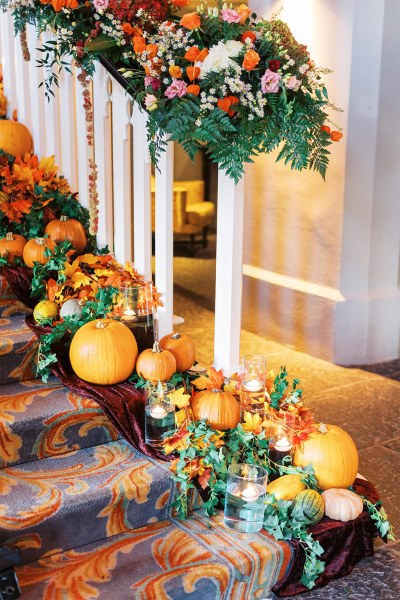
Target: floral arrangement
point(203, 456)
point(219, 78)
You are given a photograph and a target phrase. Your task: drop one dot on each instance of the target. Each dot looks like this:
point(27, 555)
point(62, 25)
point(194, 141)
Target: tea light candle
point(128, 315)
point(253, 385)
point(283, 445)
point(250, 493)
point(158, 412)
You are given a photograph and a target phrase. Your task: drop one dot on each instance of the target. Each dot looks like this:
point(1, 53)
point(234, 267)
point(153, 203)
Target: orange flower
point(336, 136)
point(191, 21)
point(192, 72)
point(249, 34)
point(175, 72)
point(180, 3)
point(202, 56)
point(193, 89)
point(139, 44)
point(244, 13)
point(325, 128)
point(226, 103)
point(251, 60)
point(192, 54)
point(127, 28)
point(152, 50)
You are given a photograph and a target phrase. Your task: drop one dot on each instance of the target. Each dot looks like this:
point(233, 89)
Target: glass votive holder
point(252, 389)
point(135, 306)
point(280, 446)
point(244, 497)
point(159, 412)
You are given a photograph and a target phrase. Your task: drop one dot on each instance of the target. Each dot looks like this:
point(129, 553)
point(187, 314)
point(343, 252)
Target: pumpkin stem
point(176, 336)
point(40, 241)
point(64, 218)
point(100, 325)
point(9, 236)
point(322, 428)
point(156, 347)
point(216, 390)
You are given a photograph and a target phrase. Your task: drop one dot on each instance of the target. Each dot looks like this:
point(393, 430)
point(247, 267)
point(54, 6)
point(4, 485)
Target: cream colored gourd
point(70, 308)
point(342, 505)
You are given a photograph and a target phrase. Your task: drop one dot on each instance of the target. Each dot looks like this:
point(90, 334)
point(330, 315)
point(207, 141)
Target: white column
point(165, 239)
point(103, 155)
point(141, 194)
point(121, 174)
point(69, 164)
point(21, 75)
point(7, 59)
point(38, 123)
point(229, 275)
point(52, 117)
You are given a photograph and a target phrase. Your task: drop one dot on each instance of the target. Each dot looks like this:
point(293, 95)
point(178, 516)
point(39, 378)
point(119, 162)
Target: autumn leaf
point(202, 382)
point(79, 279)
point(204, 479)
point(214, 380)
point(180, 398)
point(179, 441)
point(252, 422)
point(52, 289)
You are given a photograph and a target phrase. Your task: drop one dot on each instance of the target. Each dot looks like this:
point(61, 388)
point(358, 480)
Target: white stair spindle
point(165, 240)
point(38, 120)
point(21, 76)
point(52, 115)
point(229, 273)
point(102, 150)
point(121, 175)
point(7, 59)
point(141, 194)
point(68, 126)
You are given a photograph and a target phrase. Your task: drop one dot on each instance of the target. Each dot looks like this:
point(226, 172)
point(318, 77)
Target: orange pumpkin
point(34, 251)
point(15, 138)
point(333, 455)
point(103, 351)
point(155, 364)
point(182, 347)
point(65, 229)
point(220, 409)
point(12, 245)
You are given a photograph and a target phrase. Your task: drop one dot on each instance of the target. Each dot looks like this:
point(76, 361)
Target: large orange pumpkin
point(182, 347)
point(103, 351)
point(333, 455)
point(220, 409)
point(34, 251)
point(15, 138)
point(155, 364)
point(12, 245)
point(65, 229)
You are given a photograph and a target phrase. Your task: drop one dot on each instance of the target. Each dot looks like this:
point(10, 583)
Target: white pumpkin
point(70, 308)
point(341, 504)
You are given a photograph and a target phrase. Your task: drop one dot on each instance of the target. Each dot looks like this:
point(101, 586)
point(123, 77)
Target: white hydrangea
point(220, 57)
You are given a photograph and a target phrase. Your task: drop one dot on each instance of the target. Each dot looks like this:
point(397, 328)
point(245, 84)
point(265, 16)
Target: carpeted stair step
point(40, 420)
point(18, 350)
point(81, 497)
point(9, 303)
point(197, 559)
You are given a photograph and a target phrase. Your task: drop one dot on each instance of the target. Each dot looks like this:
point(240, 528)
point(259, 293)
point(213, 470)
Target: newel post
point(229, 273)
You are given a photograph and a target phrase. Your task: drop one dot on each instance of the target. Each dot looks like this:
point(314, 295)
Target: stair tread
point(47, 419)
point(82, 496)
point(199, 558)
point(18, 350)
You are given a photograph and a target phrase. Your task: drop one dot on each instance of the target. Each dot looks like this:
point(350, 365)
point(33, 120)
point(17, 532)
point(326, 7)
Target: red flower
point(274, 65)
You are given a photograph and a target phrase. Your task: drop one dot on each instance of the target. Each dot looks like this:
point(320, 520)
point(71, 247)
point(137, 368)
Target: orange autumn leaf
point(52, 288)
point(204, 478)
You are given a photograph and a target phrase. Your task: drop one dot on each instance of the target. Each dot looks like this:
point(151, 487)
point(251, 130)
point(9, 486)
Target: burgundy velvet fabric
point(20, 279)
point(122, 403)
point(344, 544)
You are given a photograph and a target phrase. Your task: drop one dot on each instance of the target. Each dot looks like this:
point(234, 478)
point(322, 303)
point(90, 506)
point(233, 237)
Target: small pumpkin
point(11, 246)
point(342, 505)
point(103, 351)
point(286, 487)
point(15, 138)
point(45, 311)
point(65, 229)
point(333, 455)
point(155, 364)
point(220, 409)
point(70, 308)
point(308, 506)
point(34, 251)
point(182, 347)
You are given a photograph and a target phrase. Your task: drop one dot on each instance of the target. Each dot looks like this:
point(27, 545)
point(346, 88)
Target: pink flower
point(230, 15)
point(150, 102)
point(292, 83)
point(100, 4)
point(270, 82)
point(177, 88)
point(153, 82)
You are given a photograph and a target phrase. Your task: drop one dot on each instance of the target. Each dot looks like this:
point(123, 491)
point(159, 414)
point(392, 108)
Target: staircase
point(90, 515)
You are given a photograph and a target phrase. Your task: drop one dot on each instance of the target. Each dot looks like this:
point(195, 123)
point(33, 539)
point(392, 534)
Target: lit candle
point(250, 493)
point(283, 445)
point(158, 412)
point(128, 315)
point(253, 385)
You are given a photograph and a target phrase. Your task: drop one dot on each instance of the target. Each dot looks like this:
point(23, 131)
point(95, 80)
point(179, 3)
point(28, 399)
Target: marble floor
point(364, 404)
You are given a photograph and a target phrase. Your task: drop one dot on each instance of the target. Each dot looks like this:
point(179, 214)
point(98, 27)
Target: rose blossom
point(270, 82)
point(153, 82)
point(293, 83)
point(100, 4)
point(150, 102)
point(230, 15)
point(177, 88)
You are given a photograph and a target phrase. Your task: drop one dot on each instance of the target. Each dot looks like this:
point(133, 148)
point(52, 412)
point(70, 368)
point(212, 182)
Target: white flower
point(220, 57)
point(234, 48)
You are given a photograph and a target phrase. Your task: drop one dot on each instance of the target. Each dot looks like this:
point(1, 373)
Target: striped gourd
point(308, 506)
